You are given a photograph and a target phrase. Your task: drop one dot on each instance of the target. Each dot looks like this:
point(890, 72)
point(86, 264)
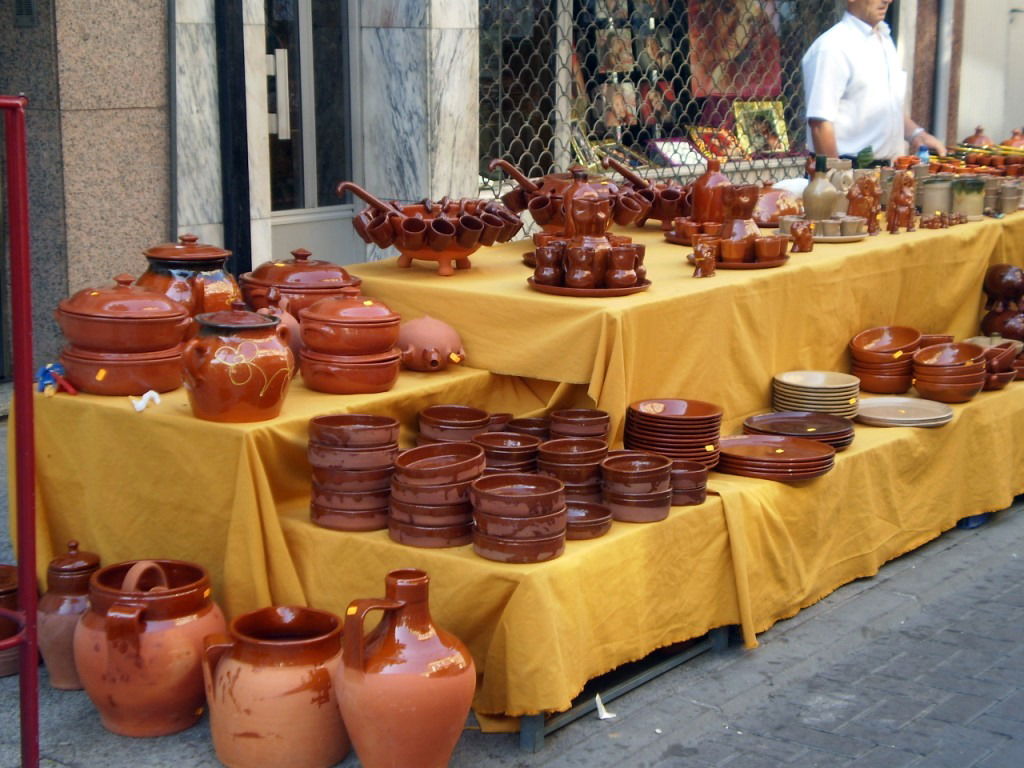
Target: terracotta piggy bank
point(429, 345)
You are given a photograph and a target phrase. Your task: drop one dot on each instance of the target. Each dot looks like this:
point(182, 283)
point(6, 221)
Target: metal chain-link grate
point(657, 84)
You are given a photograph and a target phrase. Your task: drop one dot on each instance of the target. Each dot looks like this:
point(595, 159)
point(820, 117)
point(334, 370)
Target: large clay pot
point(65, 600)
point(429, 345)
point(270, 691)
point(138, 648)
point(239, 366)
point(405, 689)
point(192, 274)
point(9, 659)
point(349, 325)
point(978, 138)
point(707, 193)
point(294, 284)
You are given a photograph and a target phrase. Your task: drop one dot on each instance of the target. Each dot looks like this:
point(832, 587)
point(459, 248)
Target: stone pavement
point(922, 665)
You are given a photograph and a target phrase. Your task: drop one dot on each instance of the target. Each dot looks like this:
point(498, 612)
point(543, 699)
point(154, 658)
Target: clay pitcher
point(404, 689)
point(138, 648)
point(65, 600)
point(820, 196)
point(707, 193)
point(270, 681)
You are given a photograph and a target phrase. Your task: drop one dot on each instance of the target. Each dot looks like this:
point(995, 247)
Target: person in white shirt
point(856, 89)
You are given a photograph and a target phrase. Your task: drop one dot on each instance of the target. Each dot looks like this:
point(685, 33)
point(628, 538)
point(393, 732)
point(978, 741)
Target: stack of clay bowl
point(819, 391)
point(689, 483)
point(519, 518)
point(353, 458)
point(349, 345)
point(883, 358)
point(999, 365)
point(538, 427)
point(576, 461)
point(680, 429)
point(637, 488)
point(836, 431)
point(508, 452)
point(950, 373)
point(430, 504)
point(451, 424)
point(579, 422)
point(773, 457)
point(586, 519)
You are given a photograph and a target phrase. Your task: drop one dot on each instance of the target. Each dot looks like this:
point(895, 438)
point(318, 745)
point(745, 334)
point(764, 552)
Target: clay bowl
point(340, 338)
point(517, 495)
point(949, 354)
point(338, 520)
point(573, 450)
point(454, 416)
point(431, 537)
point(509, 445)
point(689, 498)
point(349, 374)
point(638, 507)
point(431, 514)
point(533, 527)
point(353, 480)
point(996, 381)
point(518, 550)
point(950, 378)
point(576, 474)
point(996, 341)
point(949, 370)
point(894, 368)
point(999, 359)
point(877, 345)
point(580, 422)
point(526, 467)
point(536, 427)
point(355, 501)
point(331, 457)
point(558, 433)
point(498, 421)
point(583, 494)
point(884, 385)
point(586, 520)
point(688, 475)
point(105, 373)
point(948, 393)
point(353, 430)
point(637, 474)
point(450, 434)
point(675, 411)
point(440, 463)
point(430, 495)
point(930, 339)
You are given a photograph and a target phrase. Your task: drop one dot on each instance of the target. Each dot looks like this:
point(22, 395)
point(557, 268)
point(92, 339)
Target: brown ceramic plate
point(676, 409)
point(809, 424)
point(782, 478)
point(746, 264)
point(561, 290)
point(774, 448)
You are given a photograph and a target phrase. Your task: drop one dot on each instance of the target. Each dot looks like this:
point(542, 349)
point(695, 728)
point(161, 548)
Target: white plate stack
point(820, 391)
point(903, 412)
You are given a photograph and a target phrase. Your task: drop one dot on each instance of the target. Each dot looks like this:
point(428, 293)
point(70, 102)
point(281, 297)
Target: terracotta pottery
point(820, 195)
point(138, 648)
point(270, 690)
point(864, 198)
point(1004, 287)
point(350, 374)
point(349, 325)
point(429, 345)
point(405, 689)
point(1016, 139)
point(707, 193)
point(134, 373)
point(65, 600)
point(124, 318)
point(773, 203)
point(239, 366)
point(296, 283)
point(192, 274)
point(978, 138)
point(803, 236)
point(9, 659)
point(738, 204)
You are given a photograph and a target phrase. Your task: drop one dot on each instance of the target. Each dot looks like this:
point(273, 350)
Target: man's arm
point(918, 136)
point(823, 135)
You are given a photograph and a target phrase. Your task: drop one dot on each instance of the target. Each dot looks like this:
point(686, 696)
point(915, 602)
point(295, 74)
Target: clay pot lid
point(74, 561)
point(380, 357)
point(114, 358)
point(238, 318)
point(302, 272)
point(349, 309)
point(123, 301)
point(186, 249)
point(8, 579)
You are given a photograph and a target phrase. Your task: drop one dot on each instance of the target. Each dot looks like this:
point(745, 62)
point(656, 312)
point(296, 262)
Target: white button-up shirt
point(853, 79)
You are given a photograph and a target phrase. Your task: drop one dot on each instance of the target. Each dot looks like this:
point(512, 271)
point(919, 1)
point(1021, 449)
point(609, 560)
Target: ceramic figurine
point(865, 198)
point(622, 268)
point(901, 212)
point(703, 260)
point(803, 236)
point(428, 345)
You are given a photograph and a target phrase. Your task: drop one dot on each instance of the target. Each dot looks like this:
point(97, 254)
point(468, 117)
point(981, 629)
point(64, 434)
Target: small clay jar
point(9, 659)
point(65, 600)
point(622, 268)
point(549, 266)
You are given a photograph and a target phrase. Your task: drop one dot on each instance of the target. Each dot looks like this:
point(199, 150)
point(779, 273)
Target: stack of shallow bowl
point(520, 518)
point(576, 461)
point(430, 504)
point(904, 412)
point(883, 358)
point(679, 429)
point(538, 427)
point(451, 424)
point(836, 431)
point(586, 519)
point(999, 363)
point(580, 422)
point(773, 457)
point(950, 373)
point(508, 452)
point(349, 345)
point(353, 458)
point(638, 488)
point(689, 483)
point(819, 391)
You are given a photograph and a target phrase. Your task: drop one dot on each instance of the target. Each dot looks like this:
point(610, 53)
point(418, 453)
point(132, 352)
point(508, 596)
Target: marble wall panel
point(396, 13)
point(454, 14)
point(256, 121)
point(198, 126)
point(193, 12)
point(453, 107)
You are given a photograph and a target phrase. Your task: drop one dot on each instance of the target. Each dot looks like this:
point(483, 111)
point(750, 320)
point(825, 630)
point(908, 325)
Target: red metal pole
point(24, 437)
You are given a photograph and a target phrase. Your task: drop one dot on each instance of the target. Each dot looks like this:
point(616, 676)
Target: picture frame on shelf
point(674, 153)
point(658, 104)
point(615, 50)
point(582, 148)
point(761, 127)
point(615, 104)
point(654, 50)
point(620, 152)
point(715, 143)
point(734, 48)
point(611, 9)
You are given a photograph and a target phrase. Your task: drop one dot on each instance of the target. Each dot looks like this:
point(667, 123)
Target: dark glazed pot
point(191, 273)
point(296, 283)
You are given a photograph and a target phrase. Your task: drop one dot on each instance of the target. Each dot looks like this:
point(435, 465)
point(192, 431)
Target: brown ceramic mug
point(713, 228)
point(688, 228)
point(767, 248)
point(736, 251)
point(468, 230)
point(492, 228)
point(381, 231)
point(542, 209)
point(627, 211)
point(412, 233)
point(666, 203)
point(440, 234)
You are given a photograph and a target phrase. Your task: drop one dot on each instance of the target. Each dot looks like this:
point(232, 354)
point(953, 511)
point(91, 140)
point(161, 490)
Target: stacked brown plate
point(827, 428)
point(773, 457)
point(950, 373)
point(519, 518)
point(883, 358)
point(638, 488)
point(430, 494)
point(689, 483)
point(576, 461)
point(580, 422)
point(819, 391)
point(451, 424)
point(508, 451)
point(353, 458)
point(679, 429)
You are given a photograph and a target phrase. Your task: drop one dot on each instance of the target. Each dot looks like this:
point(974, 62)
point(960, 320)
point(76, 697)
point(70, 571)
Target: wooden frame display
point(761, 127)
point(715, 143)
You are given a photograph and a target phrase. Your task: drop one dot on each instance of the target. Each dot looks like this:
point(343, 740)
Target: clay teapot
point(978, 138)
point(293, 284)
point(428, 345)
point(138, 646)
point(192, 274)
point(65, 600)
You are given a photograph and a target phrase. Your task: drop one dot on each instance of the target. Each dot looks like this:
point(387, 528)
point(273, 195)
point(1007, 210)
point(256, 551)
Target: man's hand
point(929, 141)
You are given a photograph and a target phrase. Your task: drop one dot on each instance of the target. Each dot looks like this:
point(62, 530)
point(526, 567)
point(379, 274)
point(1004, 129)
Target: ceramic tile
point(256, 121)
point(116, 190)
point(112, 54)
point(395, 112)
point(395, 13)
point(28, 63)
point(453, 109)
point(198, 134)
point(193, 11)
point(454, 14)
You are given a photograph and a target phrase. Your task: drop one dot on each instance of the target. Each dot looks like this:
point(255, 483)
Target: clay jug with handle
point(404, 689)
point(820, 196)
point(65, 600)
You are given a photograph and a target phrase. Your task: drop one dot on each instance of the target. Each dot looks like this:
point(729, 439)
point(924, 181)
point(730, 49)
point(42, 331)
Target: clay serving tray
point(588, 293)
point(809, 424)
point(746, 264)
point(764, 448)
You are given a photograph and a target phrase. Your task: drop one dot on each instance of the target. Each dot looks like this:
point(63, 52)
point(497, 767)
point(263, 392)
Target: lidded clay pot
point(271, 679)
point(707, 193)
point(429, 345)
point(238, 367)
point(191, 273)
point(9, 659)
point(122, 318)
point(408, 678)
point(349, 325)
point(139, 646)
point(978, 138)
point(296, 283)
point(65, 600)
